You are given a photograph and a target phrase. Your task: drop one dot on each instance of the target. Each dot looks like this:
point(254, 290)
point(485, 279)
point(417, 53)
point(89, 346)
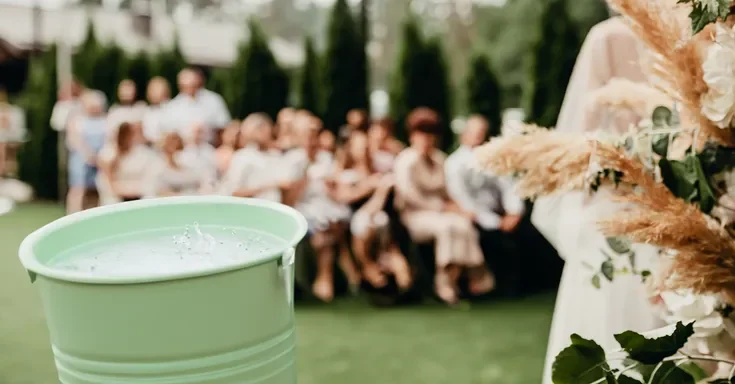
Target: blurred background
point(507, 60)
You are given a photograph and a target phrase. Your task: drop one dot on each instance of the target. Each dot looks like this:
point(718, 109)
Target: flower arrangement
point(678, 163)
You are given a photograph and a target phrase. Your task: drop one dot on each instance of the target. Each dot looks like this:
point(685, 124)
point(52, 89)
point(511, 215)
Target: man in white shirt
point(194, 103)
point(496, 208)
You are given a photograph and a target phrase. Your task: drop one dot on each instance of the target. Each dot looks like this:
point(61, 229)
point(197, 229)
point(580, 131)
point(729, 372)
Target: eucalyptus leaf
point(620, 245)
point(679, 177)
point(608, 270)
point(596, 281)
point(694, 370)
point(653, 351)
point(661, 117)
point(610, 378)
point(582, 362)
point(707, 197)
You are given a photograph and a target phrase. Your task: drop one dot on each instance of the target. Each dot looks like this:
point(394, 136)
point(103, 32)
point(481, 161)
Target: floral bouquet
point(674, 174)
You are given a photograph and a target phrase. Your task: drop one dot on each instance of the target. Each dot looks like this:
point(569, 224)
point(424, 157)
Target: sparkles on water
point(162, 252)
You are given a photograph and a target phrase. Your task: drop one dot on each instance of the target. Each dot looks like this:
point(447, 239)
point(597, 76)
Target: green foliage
point(421, 80)
point(108, 68)
point(687, 180)
point(260, 84)
point(582, 362)
point(701, 15)
point(653, 351)
point(84, 61)
point(554, 54)
point(138, 69)
point(38, 159)
point(484, 95)
point(345, 77)
point(168, 64)
point(220, 81)
point(310, 97)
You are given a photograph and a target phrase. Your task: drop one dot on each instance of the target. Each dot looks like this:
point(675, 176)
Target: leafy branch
point(655, 360)
point(705, 12)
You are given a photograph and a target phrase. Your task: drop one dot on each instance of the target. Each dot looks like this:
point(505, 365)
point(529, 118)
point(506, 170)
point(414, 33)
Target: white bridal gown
point(568, 220)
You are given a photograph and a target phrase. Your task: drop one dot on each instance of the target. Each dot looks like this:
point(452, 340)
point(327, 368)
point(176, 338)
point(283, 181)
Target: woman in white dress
point(126, 166)
point(171, 178)
point(358, 184)
point(305, 189)
point(255, 171)
point(569, 221)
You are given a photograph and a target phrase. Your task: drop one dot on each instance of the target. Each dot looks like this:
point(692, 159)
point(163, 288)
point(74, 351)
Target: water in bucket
point(165, 251)
point(183, 290)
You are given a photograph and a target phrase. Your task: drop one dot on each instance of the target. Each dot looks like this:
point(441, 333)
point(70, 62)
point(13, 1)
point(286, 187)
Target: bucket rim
point(33, 265)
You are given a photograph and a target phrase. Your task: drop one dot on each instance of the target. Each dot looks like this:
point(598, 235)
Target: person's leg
point(395, 263)
point(363, 236)
point(346, 262)
point(469, 255)
point(323, 245)
point(74, 199)
point(424, 226)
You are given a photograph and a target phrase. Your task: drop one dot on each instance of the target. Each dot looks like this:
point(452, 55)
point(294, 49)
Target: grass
point(346, 342)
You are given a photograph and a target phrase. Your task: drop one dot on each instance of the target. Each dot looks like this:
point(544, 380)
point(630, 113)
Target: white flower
point(686, 307)
point(718, 104)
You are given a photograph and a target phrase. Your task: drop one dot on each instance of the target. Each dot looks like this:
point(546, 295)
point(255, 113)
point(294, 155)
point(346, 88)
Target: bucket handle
point(286, 271)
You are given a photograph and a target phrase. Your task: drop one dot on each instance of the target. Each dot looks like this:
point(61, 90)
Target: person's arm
point(348, 193)
point(513, 205)
point(458, 176)
point(406, 187)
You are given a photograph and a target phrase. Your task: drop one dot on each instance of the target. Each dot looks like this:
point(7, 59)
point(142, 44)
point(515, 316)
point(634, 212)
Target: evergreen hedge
point(484, 93)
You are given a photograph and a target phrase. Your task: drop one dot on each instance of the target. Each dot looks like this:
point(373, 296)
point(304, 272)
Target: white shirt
point(12, 124)
point(63, 112)
point(254, 168)
point(201, 158)
point(153, 127)
point(485, 195)
point(207, 108)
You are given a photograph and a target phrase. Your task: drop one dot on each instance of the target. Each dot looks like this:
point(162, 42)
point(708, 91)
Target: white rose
point(686, 307)
point(718, 104)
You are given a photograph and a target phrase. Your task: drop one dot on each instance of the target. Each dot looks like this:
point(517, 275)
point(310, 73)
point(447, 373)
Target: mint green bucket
point(224, 324)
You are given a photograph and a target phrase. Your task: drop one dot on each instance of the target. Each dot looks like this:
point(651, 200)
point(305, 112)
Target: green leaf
point(610, 378)
point(32, 276)
point(596, 281)
point(582, 362)
point(679, 178)
point(620, 245)
point(669, 373)
point(661, 117)
point(660, 144)
point(645, 275)
point(707, 197)
point(694, 370)
point(627, 380)
point(608, 270)
point(653, 351)
point(700, 18)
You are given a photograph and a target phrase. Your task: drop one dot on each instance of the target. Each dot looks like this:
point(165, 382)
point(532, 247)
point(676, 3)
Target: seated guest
point(86, 136)
point(358, 119)
point(383, 145)
point(126, 109)
point(356, 183)
point(228, 146)
point(495, 208)
point(327, 141)
point(430, 215)
point(171, 178)
point(198, 153)
point(126, 167)
point(256, 170)
point(283, 131)
point(305, 189)
point(158, 95)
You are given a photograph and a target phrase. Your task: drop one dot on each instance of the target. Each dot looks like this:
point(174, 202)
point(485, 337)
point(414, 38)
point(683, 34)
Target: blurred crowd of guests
point(358, 189)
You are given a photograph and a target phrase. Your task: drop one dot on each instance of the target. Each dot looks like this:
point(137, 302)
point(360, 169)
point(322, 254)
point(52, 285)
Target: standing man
point(494, 206)
point(195, 104)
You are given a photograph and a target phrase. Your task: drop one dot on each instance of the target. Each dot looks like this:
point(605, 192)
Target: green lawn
point(347, 342)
